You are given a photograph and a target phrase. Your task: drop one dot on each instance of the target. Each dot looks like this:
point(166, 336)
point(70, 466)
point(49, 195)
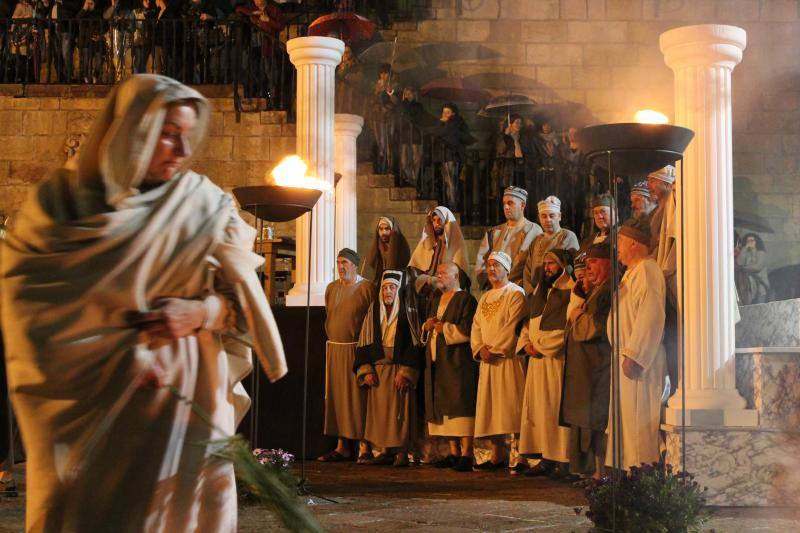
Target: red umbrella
point(456, 89)
point(346, 25)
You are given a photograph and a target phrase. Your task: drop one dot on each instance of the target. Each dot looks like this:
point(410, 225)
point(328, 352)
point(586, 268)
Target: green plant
point(648, 499)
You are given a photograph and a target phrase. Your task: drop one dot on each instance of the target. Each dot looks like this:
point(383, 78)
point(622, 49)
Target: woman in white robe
point(126, 275)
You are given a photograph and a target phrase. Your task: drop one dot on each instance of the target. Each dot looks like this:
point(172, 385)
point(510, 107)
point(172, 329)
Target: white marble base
point(769, 380)
point(713, 417)
point(740, 466)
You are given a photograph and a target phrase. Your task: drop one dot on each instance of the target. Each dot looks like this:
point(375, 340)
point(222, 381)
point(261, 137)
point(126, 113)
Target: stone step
point(422, 206)
point(402, 193)
point(380, 180)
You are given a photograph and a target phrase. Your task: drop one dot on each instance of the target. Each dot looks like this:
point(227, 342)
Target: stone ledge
point(402, 193)
point(380, 180)
point(716, 418)
point(422, 206)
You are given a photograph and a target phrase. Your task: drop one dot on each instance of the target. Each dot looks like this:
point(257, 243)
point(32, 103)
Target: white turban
point(384, 220)
point(502, 258)
point(666, 174)
point(551, 204)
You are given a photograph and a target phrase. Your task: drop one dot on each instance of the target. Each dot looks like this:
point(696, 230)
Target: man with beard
point(389, 250)
point(346, 302)
point(554, 238)
point(587, 367)
point(387, 364)
point(442, 241)
point(542, 340)
point(603, 214)
point(642, 361)
point(501, 381)
point(514, 237)
point(642, 204)
point(451, 376)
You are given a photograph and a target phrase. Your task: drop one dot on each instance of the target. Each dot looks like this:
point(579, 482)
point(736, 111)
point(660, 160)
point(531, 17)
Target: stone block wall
point(604, 55)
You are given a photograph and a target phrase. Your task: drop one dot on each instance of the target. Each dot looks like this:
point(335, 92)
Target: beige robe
point(431, 250)
point(540, 431)
point(665, 251)
point(515, 241)
point(345, 401)
point(641, 326)
point(500, 383)
point(563, 239)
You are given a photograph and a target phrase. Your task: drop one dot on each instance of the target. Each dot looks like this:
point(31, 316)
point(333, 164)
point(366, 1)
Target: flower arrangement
point(277, 459)
point(649, 498)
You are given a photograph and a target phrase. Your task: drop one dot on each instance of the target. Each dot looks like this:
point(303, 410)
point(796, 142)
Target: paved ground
point(426, 499)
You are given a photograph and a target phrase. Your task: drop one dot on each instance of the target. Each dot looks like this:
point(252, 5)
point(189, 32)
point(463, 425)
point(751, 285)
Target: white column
point(315, 59)
point(703, 58)
point(347, 128)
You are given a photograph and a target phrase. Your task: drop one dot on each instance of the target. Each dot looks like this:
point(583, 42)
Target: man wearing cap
point(346, 302)
point(451, 375)
point(542, 340)
point(582, 285)
point(514, 237)
point(389, 250)
point(602, 214)
point(442, 241)
point(554, 238)
point(642, 358)
point(501, 381)
point(587, 367)
point(642, 205)
point(387, 364)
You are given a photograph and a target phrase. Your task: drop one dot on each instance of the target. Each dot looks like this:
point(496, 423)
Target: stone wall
point(604, 54)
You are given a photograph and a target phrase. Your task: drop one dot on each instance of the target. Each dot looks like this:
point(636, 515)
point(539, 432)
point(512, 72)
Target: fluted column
point(703, 58)
point(315, 59)
point(347, 128)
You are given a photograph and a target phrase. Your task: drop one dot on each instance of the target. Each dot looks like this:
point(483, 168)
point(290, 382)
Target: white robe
point(540, 432)
point(501, 382)
point(641, 326)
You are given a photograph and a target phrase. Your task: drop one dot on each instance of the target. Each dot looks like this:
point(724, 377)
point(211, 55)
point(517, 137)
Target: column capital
point(703, 45)
point(315, 51)
point(347, 124)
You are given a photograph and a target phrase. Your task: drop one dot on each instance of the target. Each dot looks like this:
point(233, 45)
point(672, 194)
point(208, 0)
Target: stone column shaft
point(315, 59)
point(347, 128)
point(702, 58)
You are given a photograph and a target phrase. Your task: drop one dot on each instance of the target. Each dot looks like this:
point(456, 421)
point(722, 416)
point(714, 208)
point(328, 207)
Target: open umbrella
point(751, 221)
point(398, 54)
point(505, 81)
point(346, 25)
point(455, 89)
point(562, 115)
point(419, 76)
point(436, 53)
point(503, 106)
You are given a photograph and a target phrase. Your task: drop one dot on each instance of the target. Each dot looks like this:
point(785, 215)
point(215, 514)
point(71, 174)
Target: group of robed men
point(530, 360)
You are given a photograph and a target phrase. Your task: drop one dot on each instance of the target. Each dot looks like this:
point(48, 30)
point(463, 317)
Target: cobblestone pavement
point(426, 499)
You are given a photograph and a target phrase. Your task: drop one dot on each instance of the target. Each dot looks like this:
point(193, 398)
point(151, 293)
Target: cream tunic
point(641, 326)
point(501, 382)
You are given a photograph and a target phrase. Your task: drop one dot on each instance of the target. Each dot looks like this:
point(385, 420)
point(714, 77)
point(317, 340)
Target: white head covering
point(502, 258)
point(423, 254)
point(387, 221)
point(516, 192)
point(123, 138)
point(551, 204)
point(392, 277)
point(666, 174)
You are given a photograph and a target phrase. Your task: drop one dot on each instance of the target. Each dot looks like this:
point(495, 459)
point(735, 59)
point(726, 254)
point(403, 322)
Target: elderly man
point(554, 238)
point(346, 303)
point(514, 237)
point(389, 250)
point(587, 367)
point(501, 382)
point(441, 242)
point(387, 364)
point(451, 376)
point(542, 340)
point(642, 204)
point(603, 214)
point(642, 361)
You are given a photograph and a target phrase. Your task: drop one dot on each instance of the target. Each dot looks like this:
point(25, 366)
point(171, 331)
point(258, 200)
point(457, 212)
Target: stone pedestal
point(347, 128)
point(315, 59)
point(702, 58)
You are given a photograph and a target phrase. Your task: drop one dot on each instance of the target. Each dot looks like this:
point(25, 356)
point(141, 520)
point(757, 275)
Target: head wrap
point(603, 200)
point(350, 255)
point(394, 277)
point(666, 174)
point(502, 258)
point(600, 250)
point(551, 204)
point(580, 263)
point(636, 231)
point(386, 221)
point(516, 192)
point(120, 146)
point(641, 189)
point(562, 261)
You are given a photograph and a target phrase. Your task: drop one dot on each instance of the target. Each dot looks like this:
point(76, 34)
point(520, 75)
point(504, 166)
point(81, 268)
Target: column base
point(745, 418)
point(739, 466)
point(296, 297)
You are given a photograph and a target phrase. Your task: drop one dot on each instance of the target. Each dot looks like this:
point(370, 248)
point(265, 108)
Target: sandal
point(332, 457)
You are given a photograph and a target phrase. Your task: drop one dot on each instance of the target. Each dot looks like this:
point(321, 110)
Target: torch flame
point(649, 116)
point(291, 172)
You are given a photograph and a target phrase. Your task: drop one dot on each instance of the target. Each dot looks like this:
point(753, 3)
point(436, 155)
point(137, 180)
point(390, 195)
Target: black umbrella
point(504, 106)
point(751, 221)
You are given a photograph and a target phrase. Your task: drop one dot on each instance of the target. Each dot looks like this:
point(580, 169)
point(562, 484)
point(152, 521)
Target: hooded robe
point(433, 250)
point(90, 252)
point(395, 257)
